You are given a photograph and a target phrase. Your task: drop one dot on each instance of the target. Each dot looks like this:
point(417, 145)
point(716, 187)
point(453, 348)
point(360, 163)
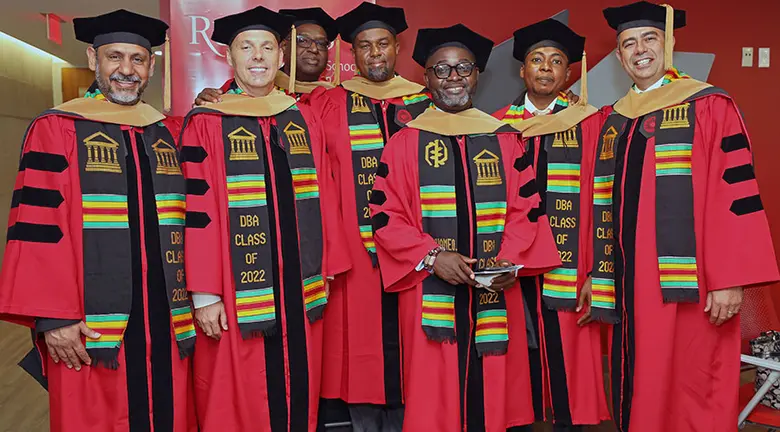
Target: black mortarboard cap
point(120, 26)
point(260, 18)
point(548, 33)
point(369, 15)
point(314, 15)
point(641, 14)
point(431, 39)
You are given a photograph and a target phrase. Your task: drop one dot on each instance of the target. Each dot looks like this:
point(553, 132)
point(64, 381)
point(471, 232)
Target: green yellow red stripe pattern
point(492, 326)
point(305, 183)
point(415, 98)
point(367, 236)
point(603, 293)
point(673, 159)
point(562, 100)
point(314, 292)
point(678, 272)
point(563, 177)
point(245, 191)
point(561, 283)
point(255, 305)
point(438, 201)
point(514, 114)
point(104, 211)
point(438, 311)
point(366, 137)
point(674, 74)
point(183, 326)
point(111, 328)
point(602, 189)
point(171, 209)
point(491, 217)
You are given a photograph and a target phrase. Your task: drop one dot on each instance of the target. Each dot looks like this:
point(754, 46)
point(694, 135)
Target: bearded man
point(446, 204)
point(94, 261)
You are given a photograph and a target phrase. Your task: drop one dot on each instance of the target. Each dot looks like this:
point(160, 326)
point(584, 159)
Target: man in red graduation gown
point(675, 193)
point(362, 357)
point(449, 195)
point(94, 256)
point(260, 198)
point(315, 30)
point(566, 372)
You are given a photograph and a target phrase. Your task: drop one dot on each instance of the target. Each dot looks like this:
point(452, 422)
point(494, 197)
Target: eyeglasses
point(305, 42)
point(443, 70)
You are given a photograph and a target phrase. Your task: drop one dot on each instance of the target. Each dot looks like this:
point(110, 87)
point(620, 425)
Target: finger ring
point(731, 313)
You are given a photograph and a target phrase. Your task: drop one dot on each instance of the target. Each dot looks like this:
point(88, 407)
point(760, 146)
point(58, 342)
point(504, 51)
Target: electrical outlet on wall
point(763, 57)
point(747, 57)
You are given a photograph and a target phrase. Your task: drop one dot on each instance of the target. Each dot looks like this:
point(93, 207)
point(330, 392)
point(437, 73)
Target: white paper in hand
point(485, 277)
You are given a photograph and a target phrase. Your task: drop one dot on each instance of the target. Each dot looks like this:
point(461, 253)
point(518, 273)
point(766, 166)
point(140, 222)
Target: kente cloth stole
point(440, 221)
point(102, 150)
point(516, 111)
point(564, 155)
point(671, 132)
point(367, 142)
point(248, 210)
point(672, 74)
point(93, 92)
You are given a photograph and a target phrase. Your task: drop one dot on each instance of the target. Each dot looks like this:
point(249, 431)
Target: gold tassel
point(293, 59)
point(669, 38)
point(337, 63)
point(584, 81)
point(167, 72)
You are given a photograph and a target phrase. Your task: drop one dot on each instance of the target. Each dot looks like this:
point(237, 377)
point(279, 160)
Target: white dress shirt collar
point(530, 107)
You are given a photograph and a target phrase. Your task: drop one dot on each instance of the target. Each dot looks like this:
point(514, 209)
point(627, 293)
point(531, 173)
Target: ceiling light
point(29, 47)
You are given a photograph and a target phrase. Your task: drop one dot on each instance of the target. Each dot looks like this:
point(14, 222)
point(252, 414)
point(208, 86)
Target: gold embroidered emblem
point(488, 172)
point(566, 138)
point(167, 162)
point(436, 153)
point(608, 146)
point(296, 136)
point(676, 117)
point(242, 145)
point(102, 154)
point(359, 104)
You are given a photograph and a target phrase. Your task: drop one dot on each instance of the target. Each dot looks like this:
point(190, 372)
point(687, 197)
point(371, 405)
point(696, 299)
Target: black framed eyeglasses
point(443, 70)
point(305, 42)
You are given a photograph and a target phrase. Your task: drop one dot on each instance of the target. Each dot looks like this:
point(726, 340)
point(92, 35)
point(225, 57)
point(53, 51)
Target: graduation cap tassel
point(669, 39)
point(584, 81)
point(167, 72)
point(337, 63)
point(293, 59)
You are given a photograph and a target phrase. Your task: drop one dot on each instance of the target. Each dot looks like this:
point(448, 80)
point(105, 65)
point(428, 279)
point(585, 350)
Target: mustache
point(118, 76)
point(460, 83)
point(377, 59)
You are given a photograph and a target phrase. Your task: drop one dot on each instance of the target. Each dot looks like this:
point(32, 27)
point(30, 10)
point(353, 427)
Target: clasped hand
point(455, 269)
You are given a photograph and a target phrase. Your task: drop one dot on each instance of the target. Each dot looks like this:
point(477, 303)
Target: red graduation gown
point(361, 357)
point(575, 389)
point(150, 389)
point(265, 383)
point(432, 370)
point(681, 372)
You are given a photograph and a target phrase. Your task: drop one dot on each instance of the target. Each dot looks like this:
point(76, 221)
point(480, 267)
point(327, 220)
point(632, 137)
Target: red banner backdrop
point(198, 62)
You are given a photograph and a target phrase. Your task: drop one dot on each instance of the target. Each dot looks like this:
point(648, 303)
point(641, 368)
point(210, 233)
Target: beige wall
point(26, 89)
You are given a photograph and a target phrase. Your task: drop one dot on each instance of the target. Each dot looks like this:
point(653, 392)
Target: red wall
point(722, 29)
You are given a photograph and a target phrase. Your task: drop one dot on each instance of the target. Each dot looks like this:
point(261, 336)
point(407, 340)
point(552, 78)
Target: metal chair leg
point(773, 377)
